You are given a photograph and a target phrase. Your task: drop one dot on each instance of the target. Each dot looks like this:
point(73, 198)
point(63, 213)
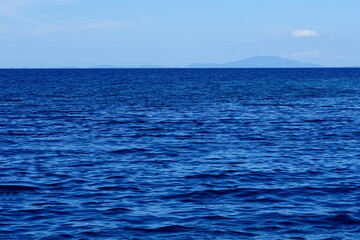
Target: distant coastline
point(258, 62)
point(253, 62)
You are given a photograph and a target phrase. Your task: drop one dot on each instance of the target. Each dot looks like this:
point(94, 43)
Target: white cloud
point(10, 8)
point(105, 25)
point(305, 54)
point(42, 28)
point(13, 9)
point(304, 33)
point(2, 31)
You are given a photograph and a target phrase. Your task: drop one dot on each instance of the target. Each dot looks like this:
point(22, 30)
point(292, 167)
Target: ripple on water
point(180, 154)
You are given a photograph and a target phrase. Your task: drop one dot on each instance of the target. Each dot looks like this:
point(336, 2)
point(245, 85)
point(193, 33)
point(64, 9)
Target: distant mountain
point(258, 62)
point(105, 66)
point(142, 66)
point(68, 67)
point(147, 66)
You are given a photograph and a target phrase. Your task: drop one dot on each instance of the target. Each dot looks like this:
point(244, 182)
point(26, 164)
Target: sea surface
point(180, 154)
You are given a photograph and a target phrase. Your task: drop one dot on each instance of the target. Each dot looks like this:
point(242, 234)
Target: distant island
point(253, 62)
point(258, 62)
point(105, 66)
point(141, 66)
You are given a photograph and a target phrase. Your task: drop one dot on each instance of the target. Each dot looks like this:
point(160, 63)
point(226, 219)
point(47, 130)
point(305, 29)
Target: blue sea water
point(180, 154)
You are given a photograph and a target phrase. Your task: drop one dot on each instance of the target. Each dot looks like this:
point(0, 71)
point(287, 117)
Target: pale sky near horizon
point(85, 33)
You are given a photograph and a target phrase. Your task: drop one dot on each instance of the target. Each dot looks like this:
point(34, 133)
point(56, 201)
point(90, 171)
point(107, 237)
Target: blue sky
point(85, 33)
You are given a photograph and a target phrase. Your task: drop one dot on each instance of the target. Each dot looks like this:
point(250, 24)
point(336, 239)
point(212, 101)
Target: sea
point(180, 154)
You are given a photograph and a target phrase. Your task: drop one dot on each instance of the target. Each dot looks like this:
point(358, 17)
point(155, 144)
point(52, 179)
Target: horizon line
point(97, 68)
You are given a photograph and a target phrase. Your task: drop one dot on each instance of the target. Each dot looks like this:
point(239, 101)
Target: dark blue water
point(180, 154)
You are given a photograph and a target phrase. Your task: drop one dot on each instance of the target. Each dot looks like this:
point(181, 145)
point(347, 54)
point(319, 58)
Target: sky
point(87, 33)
